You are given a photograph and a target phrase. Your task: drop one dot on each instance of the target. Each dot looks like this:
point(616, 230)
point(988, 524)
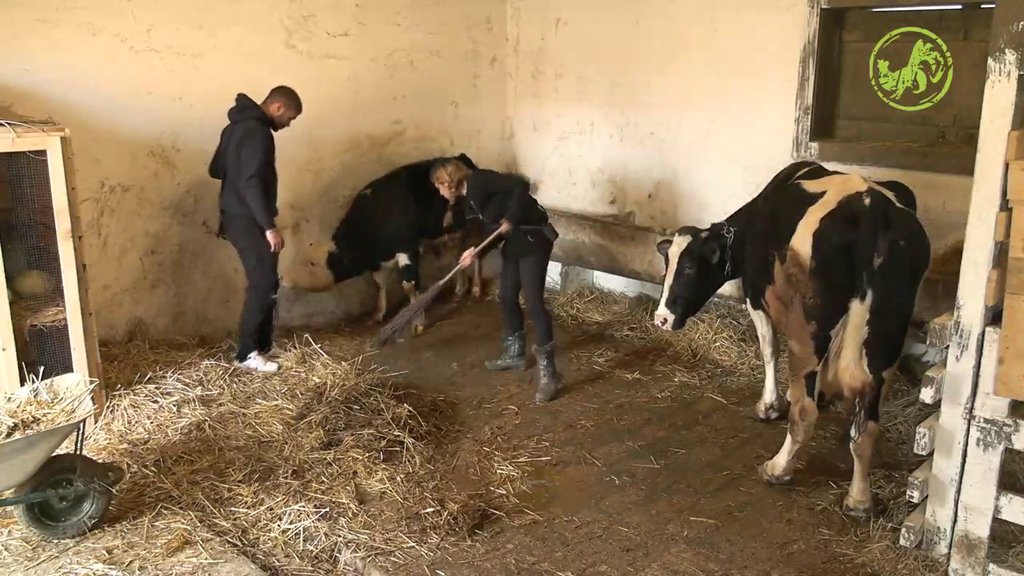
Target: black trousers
point(256, 328)
point(527, 273)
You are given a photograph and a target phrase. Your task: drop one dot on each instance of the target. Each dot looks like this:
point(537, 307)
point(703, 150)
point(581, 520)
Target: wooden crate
point(54, 212)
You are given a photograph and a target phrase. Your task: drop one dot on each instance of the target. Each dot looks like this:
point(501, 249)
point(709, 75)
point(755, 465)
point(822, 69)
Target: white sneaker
point(258, 363)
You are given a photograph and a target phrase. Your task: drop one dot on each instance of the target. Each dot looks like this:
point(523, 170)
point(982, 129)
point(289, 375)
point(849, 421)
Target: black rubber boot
point(549, 382)
point(513, 357)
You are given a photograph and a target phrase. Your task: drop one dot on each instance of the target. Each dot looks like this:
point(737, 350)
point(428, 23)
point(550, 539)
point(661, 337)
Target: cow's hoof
point(478, 292)
point(775, 479)
point(773, 411)
point(858, 508)
point(418, 329)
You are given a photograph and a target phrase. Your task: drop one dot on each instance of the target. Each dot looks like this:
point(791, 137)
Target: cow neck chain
point(729, 232)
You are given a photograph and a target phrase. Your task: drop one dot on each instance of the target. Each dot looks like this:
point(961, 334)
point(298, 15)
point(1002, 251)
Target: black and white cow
point(832, 260)
point(390, 222)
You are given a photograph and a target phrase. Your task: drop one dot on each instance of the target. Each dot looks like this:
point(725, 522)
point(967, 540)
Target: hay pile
point(323, 465)
point(40, 405)
point(717, 349)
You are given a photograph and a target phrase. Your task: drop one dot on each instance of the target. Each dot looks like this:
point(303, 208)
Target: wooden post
point(969, 321)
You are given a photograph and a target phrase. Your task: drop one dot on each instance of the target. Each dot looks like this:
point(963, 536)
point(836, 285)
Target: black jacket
point(244, 163)
point(497, 196)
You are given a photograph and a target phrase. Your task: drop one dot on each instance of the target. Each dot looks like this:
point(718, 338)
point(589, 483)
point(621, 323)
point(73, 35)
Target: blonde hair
point(449, 171)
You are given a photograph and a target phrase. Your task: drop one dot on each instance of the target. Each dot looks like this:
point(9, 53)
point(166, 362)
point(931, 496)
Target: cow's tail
point(872, 239)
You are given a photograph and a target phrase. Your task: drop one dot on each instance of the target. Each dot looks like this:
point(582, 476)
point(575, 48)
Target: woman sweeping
point(504, 200)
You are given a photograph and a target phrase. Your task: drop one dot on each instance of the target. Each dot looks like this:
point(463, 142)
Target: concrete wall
point(145, 86)
point(678, 111)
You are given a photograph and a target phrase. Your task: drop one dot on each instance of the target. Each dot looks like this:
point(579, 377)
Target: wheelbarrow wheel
point(67, 516)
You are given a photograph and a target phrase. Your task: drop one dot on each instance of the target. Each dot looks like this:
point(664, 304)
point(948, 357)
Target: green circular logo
point(924, 78)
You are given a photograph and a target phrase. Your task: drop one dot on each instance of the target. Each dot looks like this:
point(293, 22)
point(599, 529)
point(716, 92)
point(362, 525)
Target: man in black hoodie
point(244, 163)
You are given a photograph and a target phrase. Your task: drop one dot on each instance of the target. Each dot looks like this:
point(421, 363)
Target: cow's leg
point(772, 405)
point(381, 278)
point(863, 433)
point(805, 355)
point(408, 265)
point(803, 414)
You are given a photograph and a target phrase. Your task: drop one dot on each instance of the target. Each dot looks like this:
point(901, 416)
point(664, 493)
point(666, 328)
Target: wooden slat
point(1002, 231)
point(1010, 371)
point(66, 255)
point(996, 286)
point(997, 570)
point(931, 384)
point(1015, 182)
point(89, 318)
point(917, 483)
point(924, 436)
point(1015, 247)
point(9, 380)
point(913, 526)
point(1010, 507)
point(1015, 145)
point(938, 331)
point(1014, 277)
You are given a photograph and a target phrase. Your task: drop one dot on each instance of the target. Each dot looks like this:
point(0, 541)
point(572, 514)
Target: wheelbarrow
point(59, 496)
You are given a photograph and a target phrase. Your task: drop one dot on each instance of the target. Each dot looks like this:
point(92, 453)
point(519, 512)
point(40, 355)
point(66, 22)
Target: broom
point(405, 315)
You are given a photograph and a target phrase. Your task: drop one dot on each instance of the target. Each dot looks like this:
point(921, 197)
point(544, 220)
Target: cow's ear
point(663, 247)
point(711, 251)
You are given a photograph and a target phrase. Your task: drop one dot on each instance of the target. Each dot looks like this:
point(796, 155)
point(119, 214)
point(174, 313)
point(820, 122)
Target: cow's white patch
point(769, 406)
point(663, 318)
point(381, 278)
point(403, 259)
point(847, 360)
point(835, 188)
point(731, 289)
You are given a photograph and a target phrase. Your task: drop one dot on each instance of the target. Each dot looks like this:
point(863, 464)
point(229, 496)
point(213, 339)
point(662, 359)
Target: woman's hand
point(467, 258)
point(505, 226)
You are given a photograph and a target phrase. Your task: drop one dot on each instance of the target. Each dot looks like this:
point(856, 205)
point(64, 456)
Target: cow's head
point(695, 268)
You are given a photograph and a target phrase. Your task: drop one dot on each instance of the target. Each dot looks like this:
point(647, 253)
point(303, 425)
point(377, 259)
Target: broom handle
point(477, 249)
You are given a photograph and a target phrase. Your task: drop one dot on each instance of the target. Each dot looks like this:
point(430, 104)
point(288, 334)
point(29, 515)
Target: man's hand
point(467, 258)
point(505, 226)
point(275, 239)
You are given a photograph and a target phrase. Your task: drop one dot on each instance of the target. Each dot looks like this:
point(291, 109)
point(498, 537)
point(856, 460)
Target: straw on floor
point(304, 472)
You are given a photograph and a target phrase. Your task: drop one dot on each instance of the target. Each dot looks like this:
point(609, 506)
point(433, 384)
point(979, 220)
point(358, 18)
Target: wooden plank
point(95, 363)
point(1014, 277)
point(996, 286)
point(884, 3)
point(987, 196)
point(22, 144)
point(1010, 507)
point(994, 569)
point(804, 147)
point(924, 435)
point(1002, 231)
point(1010, 371)
point(917, 483)
point(931, 384)
point(1015, 146)
point(9, 379)
point(939, 331)
point(1015, 245)
point(1015, 181)
point(913, 527)
point(66, 255)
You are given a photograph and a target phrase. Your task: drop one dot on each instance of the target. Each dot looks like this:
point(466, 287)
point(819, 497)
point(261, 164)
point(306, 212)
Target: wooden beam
point(607, 246)
point(94, 362)
point(1000, 99)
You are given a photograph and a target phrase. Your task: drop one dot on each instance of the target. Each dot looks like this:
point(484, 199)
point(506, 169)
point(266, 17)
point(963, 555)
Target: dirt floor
point(645, 465)
point(645, 476)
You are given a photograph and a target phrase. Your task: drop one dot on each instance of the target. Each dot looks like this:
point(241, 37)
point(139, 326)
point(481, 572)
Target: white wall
point(678, 110)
